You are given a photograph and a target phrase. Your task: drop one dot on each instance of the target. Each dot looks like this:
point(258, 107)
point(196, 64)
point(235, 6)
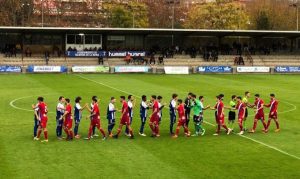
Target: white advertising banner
point(253, 69)
point(47, 69)
point(90, 69)
point(177, 70)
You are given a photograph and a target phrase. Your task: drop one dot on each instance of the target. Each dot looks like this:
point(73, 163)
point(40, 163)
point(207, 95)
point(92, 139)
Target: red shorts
point(44, 122)
point(125, 120)
point(241, 119)
point(181, 122)
point(221, 120)
point(274, 116)
point(68, 124)
point(260, 116)
point(154, 119)
point(95, 122)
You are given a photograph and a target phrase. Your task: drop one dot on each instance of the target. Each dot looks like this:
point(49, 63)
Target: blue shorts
point(111, 121)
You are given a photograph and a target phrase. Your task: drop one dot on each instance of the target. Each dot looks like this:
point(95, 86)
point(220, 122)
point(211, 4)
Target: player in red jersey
point(42, 118)
point(241, 110)
point(259, 113)
point(273, 105)
point(181, 120)
point(220, 118)
point(68, 122)
point(154, 117)
point(95, 119)
point(125, 120)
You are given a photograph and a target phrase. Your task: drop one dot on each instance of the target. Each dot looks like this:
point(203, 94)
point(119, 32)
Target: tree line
point(221, 14)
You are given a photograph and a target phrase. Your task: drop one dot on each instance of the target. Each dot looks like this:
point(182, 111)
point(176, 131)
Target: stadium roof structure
point(151, 31)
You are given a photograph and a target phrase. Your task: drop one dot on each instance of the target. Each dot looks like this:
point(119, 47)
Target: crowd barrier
point(170, 70)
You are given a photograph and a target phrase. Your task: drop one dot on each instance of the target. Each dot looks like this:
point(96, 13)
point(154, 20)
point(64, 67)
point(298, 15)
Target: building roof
point(151, 31)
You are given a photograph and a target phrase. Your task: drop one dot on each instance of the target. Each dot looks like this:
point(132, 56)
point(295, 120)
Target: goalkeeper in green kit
point(197, 107)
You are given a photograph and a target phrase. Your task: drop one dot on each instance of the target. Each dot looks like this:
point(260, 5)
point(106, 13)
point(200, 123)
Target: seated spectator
point(28, 52)
point(161, 60)
point(241, 61)
point(128, 58)
point(152, 59)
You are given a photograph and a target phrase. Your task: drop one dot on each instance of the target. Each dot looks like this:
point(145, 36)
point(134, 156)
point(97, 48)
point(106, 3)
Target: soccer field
point(258, 155)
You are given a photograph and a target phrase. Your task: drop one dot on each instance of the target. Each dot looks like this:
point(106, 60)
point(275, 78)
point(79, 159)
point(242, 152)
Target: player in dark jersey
point(172, 107)
point(131, 105)
point(78, 115)
point(187, 108)
point(111, 115)
point(60, 110)
point(144, 106)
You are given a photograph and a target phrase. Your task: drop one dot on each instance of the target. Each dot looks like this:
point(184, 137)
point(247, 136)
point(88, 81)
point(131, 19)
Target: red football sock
point(268, 124)
point(265, 125)
point(39, 133)
point(131, 132)
point(152, 128)
point(66, 131)
point(225, 127)
point(157, 129)
point(254, 125)
point(102, 131)
point(177, 131)
point(46, 135)
point(218, 129)
point(277, 124)
point(241, 126)
point(71, 134)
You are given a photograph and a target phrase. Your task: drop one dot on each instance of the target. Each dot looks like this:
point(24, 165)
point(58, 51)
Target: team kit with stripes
point(180, 110)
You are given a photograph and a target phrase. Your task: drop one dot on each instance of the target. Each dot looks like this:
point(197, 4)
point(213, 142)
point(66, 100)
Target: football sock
point(119, 131)
point(131, 133)
point(71, 134)
point(76, 129)
point(254, 125)
point(142, 127)
point(268, 124)
point(177, 131)
point(39, 133)
point(46, 135)
point(102, 132)
point(225, 127)
point(277, 124)
point(200, 128)
point(152, 128)
point(157, 129)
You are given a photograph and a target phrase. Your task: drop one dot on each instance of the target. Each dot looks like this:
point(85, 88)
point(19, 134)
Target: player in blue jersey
point(144, 106)
point(111, 116)
point(78, 115)
point(131, 105)
point(36, 120)
point(60, 110)
point(172, 107)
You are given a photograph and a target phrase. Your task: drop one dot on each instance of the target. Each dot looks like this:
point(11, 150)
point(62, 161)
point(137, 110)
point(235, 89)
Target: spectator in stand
point(128, 58)
point(28, 52)
point(241, 61)
point(161, 60)
point(152, 59)
point(47, 56)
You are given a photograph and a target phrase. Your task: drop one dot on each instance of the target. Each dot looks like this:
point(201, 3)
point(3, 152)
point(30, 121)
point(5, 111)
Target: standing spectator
point(47, 55)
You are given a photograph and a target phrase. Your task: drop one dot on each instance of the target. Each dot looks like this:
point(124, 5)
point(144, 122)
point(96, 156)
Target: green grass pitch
point(272, 155)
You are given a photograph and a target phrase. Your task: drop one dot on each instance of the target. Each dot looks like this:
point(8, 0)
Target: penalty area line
point(245, 137)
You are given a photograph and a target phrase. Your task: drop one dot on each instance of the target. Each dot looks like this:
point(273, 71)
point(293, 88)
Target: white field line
point(245, 137)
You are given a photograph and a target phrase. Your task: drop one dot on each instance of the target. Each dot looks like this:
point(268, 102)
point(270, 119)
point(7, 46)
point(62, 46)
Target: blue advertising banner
point(47, 69)
point(214, 69)
point(10, 69)
point(287, 69)
point(86, 53)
